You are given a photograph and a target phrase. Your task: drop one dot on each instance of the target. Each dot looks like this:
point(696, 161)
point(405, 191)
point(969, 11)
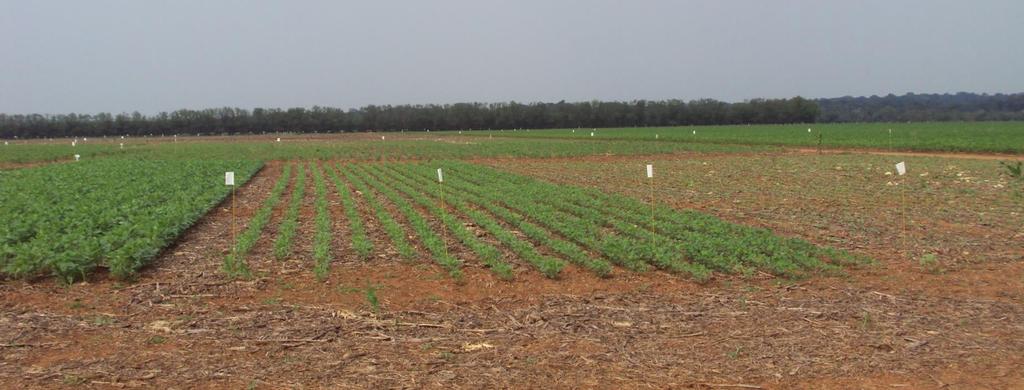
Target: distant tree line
point(911, 107)
point(460, 116)
point(466, 116)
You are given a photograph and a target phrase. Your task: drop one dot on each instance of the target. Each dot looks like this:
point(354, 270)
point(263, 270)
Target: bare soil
point(902, 323)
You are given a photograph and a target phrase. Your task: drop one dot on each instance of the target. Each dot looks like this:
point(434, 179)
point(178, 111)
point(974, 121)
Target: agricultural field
point(991, 137)
point(525, 260)
point(69, 219)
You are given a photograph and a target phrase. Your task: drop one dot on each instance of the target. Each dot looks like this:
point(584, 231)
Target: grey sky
point(151, 56)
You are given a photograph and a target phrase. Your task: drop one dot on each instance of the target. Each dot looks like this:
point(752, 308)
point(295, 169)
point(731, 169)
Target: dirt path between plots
point(183, 324)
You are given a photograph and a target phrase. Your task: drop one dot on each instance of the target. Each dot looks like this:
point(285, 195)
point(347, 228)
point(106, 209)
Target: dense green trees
point(457, 116)
point(464, 116)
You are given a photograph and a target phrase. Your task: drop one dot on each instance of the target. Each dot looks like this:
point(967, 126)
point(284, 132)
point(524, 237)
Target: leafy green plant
point(67, 219)
point(434, 243)
point(360, 242)
point(322, 237)
point(234, 263)
point(286, 230)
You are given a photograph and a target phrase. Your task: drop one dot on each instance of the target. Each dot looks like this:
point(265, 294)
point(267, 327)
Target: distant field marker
point(229, 180)
point(77, 157)
point(444, 231)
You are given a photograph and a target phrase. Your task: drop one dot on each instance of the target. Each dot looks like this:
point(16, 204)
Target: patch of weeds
point(734, 354)
point(446, 355)
point(156, 340)
point(371, 297)
point(102, 320)
point(77, 304)
point(72, 380)
point(867, 322)
point(273, 301)
point(531, 360)
point(426, 346)
point(285, 285)
point(931, 263)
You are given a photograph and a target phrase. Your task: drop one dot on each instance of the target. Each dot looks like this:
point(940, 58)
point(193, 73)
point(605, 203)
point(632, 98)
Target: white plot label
point(901, 168)
point(591, 133)
point(650, 170)
point(229, 178)
point(278, 139)
point(440, 176)
point(695, 132)
point(77, 157)
point(122, 145)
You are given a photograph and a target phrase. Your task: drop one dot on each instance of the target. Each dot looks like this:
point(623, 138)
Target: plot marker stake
point(229, 180)
point(440, 188)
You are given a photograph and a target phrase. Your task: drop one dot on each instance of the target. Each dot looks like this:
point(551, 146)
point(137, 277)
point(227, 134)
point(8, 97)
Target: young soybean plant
point(360, 243)
point(322, 238)
point(234, 263)
point(391, 226)
point(286, 231)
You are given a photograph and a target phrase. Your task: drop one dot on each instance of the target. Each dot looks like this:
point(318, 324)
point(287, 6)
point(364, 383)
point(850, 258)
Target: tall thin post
point(440, 188)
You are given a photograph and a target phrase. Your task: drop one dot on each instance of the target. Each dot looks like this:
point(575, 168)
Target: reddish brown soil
point(891, 325)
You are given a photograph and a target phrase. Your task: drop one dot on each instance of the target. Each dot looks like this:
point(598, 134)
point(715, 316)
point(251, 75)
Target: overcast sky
point(151, 56)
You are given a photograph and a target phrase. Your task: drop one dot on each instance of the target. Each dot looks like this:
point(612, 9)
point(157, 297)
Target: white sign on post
point(695, 132)
point(901, 168)
point(591, 133)
point(440, 176)
point(77, 157)
point(278, 139)
point(655, 136)
point(808, 129)
point(5, 143)
point(122, 145)
point(382, 138)
point(229, 178)
point(650, 171)
point(73, 143)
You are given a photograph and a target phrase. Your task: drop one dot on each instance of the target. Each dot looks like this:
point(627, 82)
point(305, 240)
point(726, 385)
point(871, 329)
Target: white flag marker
point(278, 139)
point(229, 178)
point(901, 168)
point(655, 136)
point(5, 143)
point(650, 171)
point(808, 129)
point(77, 157)
point(382, 138)
point(73, 143)
point(695, 132)
point(574, 131)
point(122, 145)
point(591, 133)
point(440, 176)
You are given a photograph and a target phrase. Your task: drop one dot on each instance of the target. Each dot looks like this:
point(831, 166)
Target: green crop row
point(488, 254)
point(391, 226)
point(434, 243)
point(286, 230)
point(360, 243)
point(235, 263)
point(703, 239)
point(67, 219)
point(322, 237)
point(547, 265)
